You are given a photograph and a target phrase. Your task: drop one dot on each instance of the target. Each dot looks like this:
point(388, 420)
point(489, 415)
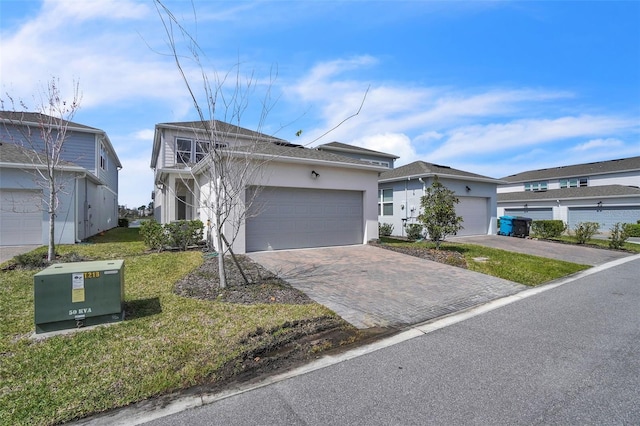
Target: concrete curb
point(144, 412)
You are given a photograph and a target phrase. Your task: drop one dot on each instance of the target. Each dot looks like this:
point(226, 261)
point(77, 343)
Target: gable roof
point(603, 191)
point(25, 118)
point(298, 154)
point(343, 147)
point(36, 119)
point(424, 169)
point(577, 170)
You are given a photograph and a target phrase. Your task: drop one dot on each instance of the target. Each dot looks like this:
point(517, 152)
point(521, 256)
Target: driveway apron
point(373, 287)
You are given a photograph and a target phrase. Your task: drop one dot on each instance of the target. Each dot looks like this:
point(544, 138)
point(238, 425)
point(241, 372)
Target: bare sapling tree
point(229, 161)
point(42, 137)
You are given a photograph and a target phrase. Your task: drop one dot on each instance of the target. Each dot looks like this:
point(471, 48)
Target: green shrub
point(184, 233)
point(414, 231)
point(154, 235)
point(548, 228)
point(585, 230)
point(633, 230)
point(31, 260)
point(123, 222)
point(618, 235)
point(385, 229)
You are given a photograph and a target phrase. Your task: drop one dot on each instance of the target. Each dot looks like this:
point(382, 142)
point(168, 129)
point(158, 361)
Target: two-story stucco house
point(401, 189)
point(306, 197)
point(606, 192)
point(88, 174)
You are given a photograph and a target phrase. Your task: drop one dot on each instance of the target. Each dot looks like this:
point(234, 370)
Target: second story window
point(103, 157)
point(183, 151)
point(202, 149)
point(535, 186)
point(573, 183)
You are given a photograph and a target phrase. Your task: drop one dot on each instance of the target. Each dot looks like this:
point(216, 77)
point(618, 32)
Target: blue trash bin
point(506, 225)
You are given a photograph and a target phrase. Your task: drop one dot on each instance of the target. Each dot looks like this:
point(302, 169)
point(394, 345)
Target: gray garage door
point(20, 217)
point(285, 218)
point(475, 212)
point(605, 216)
point(535, 214)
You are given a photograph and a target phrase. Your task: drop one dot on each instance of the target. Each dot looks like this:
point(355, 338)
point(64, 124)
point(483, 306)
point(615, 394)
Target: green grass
point(517, 267)
point(167, 343)
point(600, 243)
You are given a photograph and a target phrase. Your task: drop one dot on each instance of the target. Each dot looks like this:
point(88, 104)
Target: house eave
point(444, 176)
point(357, 151)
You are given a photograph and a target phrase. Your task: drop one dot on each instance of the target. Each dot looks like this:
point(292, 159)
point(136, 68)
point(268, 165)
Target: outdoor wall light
point(468, 189)
point(314, 174)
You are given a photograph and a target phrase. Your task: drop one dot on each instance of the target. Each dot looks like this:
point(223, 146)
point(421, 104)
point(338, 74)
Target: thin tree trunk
point(51, 253)
point(233, 256)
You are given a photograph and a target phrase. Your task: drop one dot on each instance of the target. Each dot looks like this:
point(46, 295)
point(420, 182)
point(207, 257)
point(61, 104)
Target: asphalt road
point(570, 355)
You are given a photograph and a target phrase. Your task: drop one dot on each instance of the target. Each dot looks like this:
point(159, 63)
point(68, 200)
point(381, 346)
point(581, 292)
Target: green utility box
point(72, 295)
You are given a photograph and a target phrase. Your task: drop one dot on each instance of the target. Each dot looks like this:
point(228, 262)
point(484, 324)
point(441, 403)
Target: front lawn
point(517, 267)
point(167, 342)
point(598, 242)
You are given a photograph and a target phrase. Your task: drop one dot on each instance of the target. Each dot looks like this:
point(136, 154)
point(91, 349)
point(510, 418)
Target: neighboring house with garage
point(300, 198)
point(400, 191)
point(359, 153)
point(606, 192)
point(88, 174)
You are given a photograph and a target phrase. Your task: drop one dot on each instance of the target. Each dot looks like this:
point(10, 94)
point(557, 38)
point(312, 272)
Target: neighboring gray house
point(88, 204)
point(606, 192)
point(363, 154)
point(306, 197)
point(400, 191)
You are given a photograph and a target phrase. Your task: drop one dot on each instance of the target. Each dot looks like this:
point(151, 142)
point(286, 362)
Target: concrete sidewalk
point(373, 287)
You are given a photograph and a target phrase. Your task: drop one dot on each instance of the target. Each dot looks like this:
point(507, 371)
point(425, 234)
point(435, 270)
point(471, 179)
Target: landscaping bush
point(385, 229)
point(154, 235)
point(414, 231)
point(633, 230)
point(184, 233)
point(548, 228)
point(123, 222)
point(618, 235)
point(584, 231)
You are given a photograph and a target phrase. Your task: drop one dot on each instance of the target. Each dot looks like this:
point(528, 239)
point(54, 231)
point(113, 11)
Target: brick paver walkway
point(372, 287)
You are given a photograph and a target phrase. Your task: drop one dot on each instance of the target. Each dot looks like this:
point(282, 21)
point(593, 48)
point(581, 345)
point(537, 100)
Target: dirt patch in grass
point(448, 257)
point(270, 351)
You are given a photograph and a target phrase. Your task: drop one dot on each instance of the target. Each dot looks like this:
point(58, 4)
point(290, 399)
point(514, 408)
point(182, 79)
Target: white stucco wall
point(298, 175)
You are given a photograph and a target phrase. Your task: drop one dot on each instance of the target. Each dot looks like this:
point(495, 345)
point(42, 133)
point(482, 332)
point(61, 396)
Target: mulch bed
point(452, 258)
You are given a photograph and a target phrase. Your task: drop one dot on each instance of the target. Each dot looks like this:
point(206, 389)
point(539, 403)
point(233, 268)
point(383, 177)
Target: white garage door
point(20, 217)
point(475, 212)
point(605, 216)
point(531, 213)
point(285, 218)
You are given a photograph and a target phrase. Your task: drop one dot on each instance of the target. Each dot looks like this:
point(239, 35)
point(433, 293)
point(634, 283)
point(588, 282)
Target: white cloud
point(607, 143)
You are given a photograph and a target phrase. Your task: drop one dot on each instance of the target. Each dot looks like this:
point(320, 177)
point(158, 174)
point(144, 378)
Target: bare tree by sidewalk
point(43, 143)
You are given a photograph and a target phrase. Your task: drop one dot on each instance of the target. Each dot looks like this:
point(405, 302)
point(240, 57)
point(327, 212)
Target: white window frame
point(382, 202)
point(182, 155)
point(104, 164)
point(574, 182)
point(536, 186)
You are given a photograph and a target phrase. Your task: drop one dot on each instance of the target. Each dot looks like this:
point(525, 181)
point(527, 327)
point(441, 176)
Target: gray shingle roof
point(577, 170)
point(220, 126)
point(339, 146)
point(16, 154)
point(270, 149)
point(20, 117)
point(568, 193)
point(422, 168)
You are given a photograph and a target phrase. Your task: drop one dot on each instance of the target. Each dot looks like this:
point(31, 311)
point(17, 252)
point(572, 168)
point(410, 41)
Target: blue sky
point(494, 88)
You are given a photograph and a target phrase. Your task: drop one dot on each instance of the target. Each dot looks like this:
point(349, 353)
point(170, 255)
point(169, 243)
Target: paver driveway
point(373, 287)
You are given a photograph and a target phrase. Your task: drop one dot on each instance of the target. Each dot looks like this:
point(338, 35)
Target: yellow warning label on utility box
point(77, 288)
